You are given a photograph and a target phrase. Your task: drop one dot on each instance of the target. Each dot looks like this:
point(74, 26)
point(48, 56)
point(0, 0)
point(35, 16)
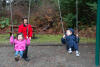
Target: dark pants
point(74, 47)
point(63, 41)
point(25, 53)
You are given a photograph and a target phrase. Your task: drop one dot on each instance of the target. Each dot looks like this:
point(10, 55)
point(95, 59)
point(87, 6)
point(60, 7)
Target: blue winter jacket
point(70, 40)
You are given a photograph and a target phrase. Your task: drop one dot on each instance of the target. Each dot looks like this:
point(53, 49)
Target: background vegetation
point(45, 15)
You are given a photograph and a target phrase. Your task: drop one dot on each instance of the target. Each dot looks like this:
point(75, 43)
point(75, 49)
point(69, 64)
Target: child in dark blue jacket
point(71, 40)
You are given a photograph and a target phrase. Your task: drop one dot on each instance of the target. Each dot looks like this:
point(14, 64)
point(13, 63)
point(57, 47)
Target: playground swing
point(25, 51)
point(11, 19)
point(61, 20)
point(64, 40)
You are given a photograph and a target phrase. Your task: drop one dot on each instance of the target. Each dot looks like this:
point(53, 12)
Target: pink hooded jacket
point(20, 45)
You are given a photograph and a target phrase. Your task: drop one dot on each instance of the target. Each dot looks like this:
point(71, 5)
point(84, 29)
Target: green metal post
point(97, 57)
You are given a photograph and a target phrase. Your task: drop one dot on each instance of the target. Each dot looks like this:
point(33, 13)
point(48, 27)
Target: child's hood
point(72, 30)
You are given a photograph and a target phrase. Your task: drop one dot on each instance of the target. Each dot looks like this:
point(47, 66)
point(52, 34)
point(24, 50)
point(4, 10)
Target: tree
point(87, 12)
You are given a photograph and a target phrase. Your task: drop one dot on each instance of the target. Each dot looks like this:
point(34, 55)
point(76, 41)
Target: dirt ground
point(49, 56)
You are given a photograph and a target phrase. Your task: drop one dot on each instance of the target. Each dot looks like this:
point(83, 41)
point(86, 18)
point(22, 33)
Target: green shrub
point(69, 20)
point(4, 22)
point(87, 12)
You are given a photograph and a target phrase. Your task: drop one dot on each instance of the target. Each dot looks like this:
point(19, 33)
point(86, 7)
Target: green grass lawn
point(4, 38)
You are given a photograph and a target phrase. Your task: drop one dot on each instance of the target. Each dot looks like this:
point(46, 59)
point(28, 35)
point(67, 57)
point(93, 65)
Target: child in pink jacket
point(20, 45)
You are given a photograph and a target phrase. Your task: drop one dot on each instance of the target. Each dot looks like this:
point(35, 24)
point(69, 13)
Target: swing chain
point(61, 20)
point(28, 15)
point(11, 17)
point(77, 17)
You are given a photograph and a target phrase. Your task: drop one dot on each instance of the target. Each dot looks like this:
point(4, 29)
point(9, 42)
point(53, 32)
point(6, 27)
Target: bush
point(4, 22)
point(69, 20)
point(87, 12)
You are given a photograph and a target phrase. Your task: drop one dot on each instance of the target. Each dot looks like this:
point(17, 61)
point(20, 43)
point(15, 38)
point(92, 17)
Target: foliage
point(87, 12)
point(39, 8)
point(69, 19)
point(4, 22)
point(93, 6)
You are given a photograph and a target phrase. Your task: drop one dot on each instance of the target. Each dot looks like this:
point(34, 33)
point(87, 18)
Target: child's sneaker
point(17, 58)
point(70, 51)
point(77, 53)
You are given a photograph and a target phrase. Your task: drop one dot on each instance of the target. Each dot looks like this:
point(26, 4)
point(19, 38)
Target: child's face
point(20, 37)
point(68, 32)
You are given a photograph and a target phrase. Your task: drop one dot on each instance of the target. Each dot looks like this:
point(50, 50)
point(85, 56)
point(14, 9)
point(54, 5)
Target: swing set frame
point(97, 52)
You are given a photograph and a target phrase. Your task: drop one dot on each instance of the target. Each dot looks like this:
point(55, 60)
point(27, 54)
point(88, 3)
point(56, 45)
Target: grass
point(47, 39)
point(4, 38)
point(87, 40)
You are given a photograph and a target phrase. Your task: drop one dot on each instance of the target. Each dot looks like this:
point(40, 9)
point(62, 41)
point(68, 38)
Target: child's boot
point(70, 50)
point(17, 58)
point(77, 53)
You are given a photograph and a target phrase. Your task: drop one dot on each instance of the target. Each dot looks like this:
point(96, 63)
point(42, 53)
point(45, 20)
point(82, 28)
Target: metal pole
point(97, 57)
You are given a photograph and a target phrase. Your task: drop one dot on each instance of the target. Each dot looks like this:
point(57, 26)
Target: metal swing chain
point(11, 17)
point(12, 30)
point(61, 20)
point(28, 15)
point(77, 16)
